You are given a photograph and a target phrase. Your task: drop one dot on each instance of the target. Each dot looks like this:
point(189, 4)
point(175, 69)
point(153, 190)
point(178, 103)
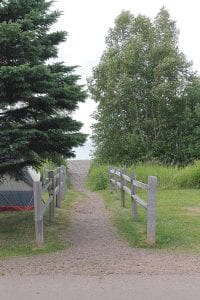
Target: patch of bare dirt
point(95, 246)
point(192, 211)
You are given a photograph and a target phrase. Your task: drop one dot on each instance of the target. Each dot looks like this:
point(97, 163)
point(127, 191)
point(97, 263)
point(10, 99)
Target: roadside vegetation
point(178, 206)
point(147, 112)
point(168, 177)
point(17, 230)
point(147, 94)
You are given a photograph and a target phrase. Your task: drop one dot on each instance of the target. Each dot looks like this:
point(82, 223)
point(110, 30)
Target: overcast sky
point(87, 23)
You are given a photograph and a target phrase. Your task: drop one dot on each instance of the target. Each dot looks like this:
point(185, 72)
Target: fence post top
point(37, 182)
point(133, 176)
point(152, 178)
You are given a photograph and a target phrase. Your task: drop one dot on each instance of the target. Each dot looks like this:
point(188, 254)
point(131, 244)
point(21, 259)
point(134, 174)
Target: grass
point(17, 231)
point(97, 177)
point(178, 206)
point(168, 177)
point(178, 220)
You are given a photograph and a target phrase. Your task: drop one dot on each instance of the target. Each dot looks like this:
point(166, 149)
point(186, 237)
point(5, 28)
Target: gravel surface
point(96, 248)
point(116, 287)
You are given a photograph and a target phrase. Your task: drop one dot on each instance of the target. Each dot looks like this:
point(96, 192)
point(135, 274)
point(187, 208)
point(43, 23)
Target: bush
point(49, 165)
point(98, 177)
point(189, 177)
point(168, 177)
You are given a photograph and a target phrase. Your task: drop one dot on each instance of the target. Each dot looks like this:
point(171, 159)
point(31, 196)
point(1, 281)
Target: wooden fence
point(119, 180)
point(55, 185)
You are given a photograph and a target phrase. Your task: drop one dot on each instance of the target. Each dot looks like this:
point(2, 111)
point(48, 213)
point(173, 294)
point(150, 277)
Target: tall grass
point(168, 177)
point(98, 178)
point(190, 176)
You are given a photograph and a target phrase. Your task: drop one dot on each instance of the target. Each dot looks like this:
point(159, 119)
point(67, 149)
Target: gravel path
point(111, 287)
point(96, 248)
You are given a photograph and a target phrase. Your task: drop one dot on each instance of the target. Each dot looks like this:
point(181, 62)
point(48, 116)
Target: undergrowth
point(168, 177)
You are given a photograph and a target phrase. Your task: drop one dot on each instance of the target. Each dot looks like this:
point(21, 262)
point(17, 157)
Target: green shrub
point(168, 177)
point(98, 177)
point(189, 177)
point(49, 165)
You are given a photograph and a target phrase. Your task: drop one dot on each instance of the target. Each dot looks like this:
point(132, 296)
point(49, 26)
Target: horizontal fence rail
point(55, 185)
point(128, 184)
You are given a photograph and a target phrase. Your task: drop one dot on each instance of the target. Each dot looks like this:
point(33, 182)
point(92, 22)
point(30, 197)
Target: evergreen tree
point(36, 97)
point(141, 86)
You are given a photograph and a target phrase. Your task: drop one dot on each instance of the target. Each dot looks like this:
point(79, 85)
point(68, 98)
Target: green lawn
point(17, 230)
point(178, 220)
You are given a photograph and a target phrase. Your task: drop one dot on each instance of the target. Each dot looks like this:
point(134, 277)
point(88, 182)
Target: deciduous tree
point(141, 87)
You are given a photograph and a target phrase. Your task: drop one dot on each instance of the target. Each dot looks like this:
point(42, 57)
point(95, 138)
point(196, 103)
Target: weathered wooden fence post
point(133, 202)
point(123, 183)
point(38, 212)
point(59, 183)
point(115, 178)
point(110, 182)
point(51, 193)
point(63, 182)
point(151, 210)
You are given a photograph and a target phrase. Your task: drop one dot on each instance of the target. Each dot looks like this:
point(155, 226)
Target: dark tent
point(18, 194)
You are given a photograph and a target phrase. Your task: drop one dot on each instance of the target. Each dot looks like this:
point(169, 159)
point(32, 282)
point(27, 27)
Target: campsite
point(99, 150)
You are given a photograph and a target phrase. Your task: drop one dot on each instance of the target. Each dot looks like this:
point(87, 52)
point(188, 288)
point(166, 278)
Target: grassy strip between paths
point(178, 220)
point(17, 230)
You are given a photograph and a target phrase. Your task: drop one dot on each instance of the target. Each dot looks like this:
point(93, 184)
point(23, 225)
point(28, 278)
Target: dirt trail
point(95, 246)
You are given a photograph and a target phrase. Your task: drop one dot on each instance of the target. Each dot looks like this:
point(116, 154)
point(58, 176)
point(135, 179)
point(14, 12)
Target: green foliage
point(98, 177)
point(178, 208)
point(49, 165)
point(189, 176)
point(17, 231)
point(36, 97)
point(147, 95)
point(168, 177)
point(178, 220)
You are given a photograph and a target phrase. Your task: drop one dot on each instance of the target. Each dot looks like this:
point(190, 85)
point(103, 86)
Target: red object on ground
point(15, 208)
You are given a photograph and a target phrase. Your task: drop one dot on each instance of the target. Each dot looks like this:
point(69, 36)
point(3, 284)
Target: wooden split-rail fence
point(128, 184)
point(55, 185)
